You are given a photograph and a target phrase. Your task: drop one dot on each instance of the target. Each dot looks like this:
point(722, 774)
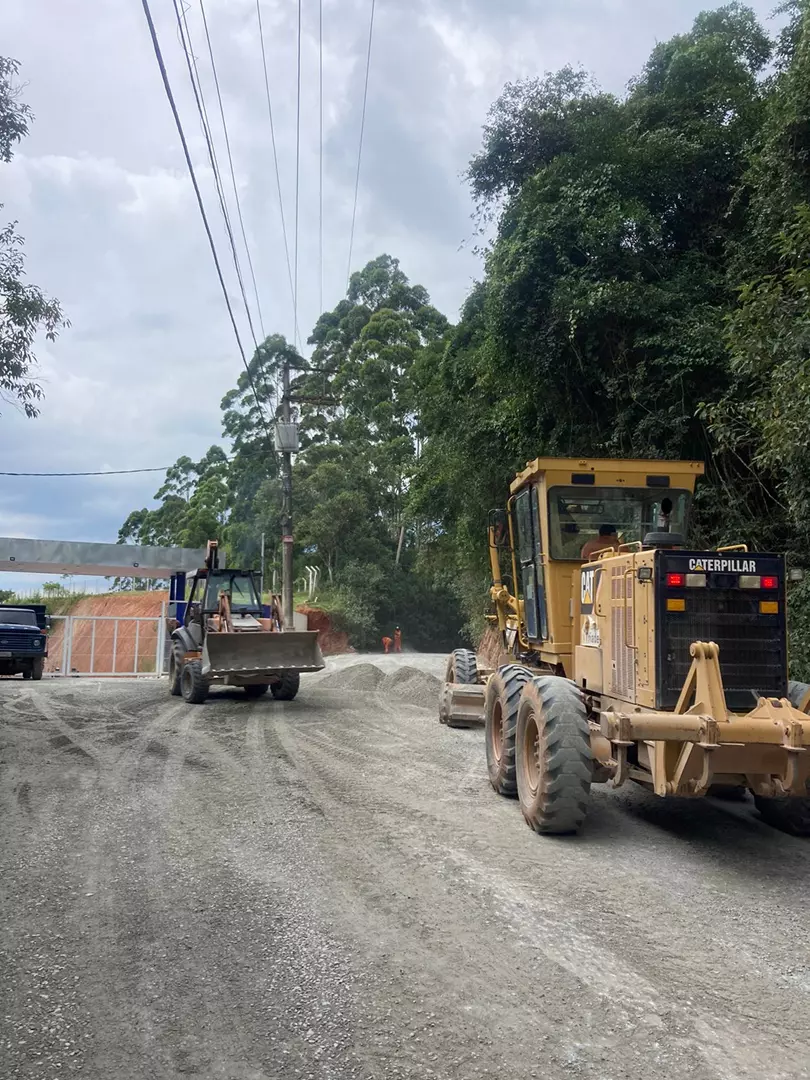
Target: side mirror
point(499, 529)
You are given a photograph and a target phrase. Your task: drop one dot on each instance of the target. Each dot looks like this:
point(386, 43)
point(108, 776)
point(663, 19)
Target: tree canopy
point(25, 311)
point(644, 294)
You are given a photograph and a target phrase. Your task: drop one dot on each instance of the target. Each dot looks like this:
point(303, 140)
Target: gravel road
point(329, 888)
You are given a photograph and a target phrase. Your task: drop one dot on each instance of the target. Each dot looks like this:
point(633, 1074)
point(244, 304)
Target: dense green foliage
point(645, 293)
point(24, 309)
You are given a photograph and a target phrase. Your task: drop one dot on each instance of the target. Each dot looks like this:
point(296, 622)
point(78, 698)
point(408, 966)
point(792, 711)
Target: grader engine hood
point(736, 599)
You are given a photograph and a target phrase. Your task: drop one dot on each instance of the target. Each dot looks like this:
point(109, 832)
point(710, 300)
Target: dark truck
point(23, 640)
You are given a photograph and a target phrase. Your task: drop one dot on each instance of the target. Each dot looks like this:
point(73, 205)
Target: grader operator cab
point(633, 657)
point(226, 638)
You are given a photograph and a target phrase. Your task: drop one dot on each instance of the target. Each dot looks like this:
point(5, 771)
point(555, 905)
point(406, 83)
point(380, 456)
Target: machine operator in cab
point(607, 538)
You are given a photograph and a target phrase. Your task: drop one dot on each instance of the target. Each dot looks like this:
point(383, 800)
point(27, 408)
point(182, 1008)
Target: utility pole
point(261, 575)
point(286, 442)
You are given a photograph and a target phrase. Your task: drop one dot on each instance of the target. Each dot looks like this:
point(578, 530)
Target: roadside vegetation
point(645, 275)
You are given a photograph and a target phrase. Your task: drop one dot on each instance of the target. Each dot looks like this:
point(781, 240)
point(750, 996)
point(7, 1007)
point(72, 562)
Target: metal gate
point(105, 646)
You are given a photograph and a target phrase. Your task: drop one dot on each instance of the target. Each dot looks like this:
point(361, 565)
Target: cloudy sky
point(103, 199)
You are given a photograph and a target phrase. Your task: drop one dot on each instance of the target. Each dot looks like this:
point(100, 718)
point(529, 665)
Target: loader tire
point(175, 669)
point(287, 687)
point(501, 703)
point(799, 695)
point(553, 755)
point(462, 667)
point(789, 815)
point(193, 684)
point(256, 690)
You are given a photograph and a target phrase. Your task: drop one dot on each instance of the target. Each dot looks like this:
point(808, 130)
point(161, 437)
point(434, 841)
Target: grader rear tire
point(462, 667)
point(553, 756)
point(789, 815)
point(501, 703)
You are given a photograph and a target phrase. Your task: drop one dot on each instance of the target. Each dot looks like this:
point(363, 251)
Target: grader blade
point(251, 655)
point(462, 704)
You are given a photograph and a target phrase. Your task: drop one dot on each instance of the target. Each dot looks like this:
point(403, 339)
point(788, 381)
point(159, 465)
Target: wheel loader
point(225, 638)
point(629, 656)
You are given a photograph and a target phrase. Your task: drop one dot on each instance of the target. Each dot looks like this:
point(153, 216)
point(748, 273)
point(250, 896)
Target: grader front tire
point(501, 704)
point(462, 667)
point(553, 756)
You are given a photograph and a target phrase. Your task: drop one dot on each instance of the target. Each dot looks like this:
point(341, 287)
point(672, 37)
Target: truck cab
point(23, 640)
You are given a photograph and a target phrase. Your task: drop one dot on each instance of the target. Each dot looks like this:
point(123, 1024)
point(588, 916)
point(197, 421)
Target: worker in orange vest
point(397, 640)
point(387, 643)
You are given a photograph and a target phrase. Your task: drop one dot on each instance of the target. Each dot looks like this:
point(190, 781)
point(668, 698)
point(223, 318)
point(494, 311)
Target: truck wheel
point(501, 703)
point(37, 668)
point(287, 688)
point(799, 695)
point(256, 690)
point(790, 815)
point(553, 755)
point(462, 667)
point(176, 669)
point(193, 684)
point(26, 674)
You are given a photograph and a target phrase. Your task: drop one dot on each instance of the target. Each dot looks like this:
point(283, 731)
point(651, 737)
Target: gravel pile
point(412, 687)
point(406, 684)
point(357, 677)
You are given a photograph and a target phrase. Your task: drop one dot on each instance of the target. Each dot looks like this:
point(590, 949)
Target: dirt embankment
point(331, 641)
point(491, 651)
point(118, 634)
point(113, 634)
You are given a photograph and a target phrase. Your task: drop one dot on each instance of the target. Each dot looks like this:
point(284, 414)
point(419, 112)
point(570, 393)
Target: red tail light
point(675, 581)
point(769, 583)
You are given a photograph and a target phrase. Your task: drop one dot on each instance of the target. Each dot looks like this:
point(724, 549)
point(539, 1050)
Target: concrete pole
point(286, 514)
point(261, 575)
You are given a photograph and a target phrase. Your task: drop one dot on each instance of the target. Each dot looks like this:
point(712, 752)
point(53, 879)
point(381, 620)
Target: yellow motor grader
point(632, 657)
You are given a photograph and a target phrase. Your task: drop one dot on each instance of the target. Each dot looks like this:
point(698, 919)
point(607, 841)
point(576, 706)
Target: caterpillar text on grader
point(634, 657)
point(225, 638)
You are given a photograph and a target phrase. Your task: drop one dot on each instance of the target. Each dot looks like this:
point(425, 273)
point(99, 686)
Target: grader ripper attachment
point(631, 656)
point(225, 638)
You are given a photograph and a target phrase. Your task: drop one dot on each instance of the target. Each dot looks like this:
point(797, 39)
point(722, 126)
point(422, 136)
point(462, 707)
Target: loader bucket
point(252, 655)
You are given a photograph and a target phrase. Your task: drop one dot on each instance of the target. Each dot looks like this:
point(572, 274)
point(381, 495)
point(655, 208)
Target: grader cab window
point(576, 516)
point(529, 558)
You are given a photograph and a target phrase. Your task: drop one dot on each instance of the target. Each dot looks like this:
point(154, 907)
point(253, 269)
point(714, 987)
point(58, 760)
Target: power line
point(230, 166)
point(99, 472)
point(199, 98)
point(360, 147)
point(296, 331)
point(131, 472)
point(297, 161)
point(200, 204)
point(320, 157)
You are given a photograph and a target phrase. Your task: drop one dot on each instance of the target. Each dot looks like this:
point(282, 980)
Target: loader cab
point(207, 586)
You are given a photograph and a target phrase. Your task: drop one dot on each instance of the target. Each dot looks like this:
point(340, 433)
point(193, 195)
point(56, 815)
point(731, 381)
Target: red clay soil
point(113, 652)
point(491, 650)
point(330, 640)
point(109, 643)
